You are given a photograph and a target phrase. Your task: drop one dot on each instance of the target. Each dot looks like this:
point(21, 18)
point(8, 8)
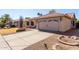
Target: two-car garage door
point(49, 26)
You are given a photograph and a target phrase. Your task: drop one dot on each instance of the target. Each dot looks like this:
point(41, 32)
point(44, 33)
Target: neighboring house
point(26, 23)
point(15, 23)
point(30, 23)
point(55, 22)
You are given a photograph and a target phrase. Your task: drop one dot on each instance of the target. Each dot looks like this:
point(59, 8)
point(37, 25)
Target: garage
point(49, 25)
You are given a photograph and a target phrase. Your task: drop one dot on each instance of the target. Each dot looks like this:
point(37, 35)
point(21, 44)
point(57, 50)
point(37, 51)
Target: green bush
point(2, 25)
point(77, 24)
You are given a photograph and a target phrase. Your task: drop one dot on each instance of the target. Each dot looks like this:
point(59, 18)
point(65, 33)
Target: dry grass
point(8, 31)
point(11, 31)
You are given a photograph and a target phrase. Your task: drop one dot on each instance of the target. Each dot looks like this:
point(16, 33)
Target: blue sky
point(16, 13)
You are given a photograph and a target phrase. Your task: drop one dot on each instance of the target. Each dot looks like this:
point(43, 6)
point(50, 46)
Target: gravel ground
point(47, 44)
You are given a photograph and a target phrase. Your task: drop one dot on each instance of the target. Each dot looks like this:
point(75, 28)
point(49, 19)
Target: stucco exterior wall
point(65, 24)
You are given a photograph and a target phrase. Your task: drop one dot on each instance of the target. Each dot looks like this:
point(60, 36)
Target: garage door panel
point(51, 26)
point(43, 25)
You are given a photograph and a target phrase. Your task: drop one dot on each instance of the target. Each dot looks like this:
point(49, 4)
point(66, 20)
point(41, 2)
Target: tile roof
point(68, 15)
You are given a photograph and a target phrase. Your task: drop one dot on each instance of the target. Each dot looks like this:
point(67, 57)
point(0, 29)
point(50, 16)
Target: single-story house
point(26, 23)
point(50, 22)
point(55, 22)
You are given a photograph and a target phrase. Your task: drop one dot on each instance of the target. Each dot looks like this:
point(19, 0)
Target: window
point(27, 23)
point(32, 23)
point(49, 20)
point(55, 20)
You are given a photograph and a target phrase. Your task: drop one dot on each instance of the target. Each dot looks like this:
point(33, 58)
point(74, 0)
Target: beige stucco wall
point(65, 24)
point(52, 25)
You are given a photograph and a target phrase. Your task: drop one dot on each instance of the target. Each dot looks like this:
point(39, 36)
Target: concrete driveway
point(22, 40)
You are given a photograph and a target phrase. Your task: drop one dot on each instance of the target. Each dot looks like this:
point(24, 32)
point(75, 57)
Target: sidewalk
point(3, 44)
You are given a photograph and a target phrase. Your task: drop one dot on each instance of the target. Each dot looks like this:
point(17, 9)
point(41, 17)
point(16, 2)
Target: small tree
point(21, 22)
point(52, 11)
point(39, 14)
point(4, 20)
point(27, 17)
